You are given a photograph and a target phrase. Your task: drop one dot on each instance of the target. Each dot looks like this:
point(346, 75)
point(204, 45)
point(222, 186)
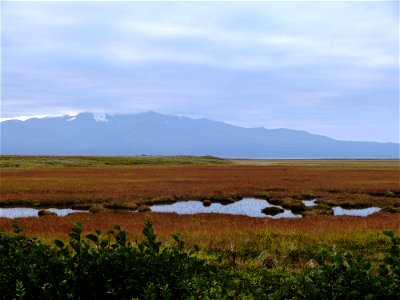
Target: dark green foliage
point(97, 266)
point(344, 276)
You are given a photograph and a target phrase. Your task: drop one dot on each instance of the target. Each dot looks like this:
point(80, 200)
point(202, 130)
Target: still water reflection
point(23, 212)
point(247, 207)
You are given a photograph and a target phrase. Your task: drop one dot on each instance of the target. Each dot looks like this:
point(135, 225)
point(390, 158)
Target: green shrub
point(101, 267)
point(347, 277)
point(97, 266)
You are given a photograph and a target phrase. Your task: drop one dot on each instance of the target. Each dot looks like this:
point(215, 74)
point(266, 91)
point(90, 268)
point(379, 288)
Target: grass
point(290, 242)
point(325, 163)
point(32, 161)
point(99, 266)
point(116, 188)
point(116, 181)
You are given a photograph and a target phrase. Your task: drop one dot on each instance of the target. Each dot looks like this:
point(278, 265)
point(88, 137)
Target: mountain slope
point(153, 133)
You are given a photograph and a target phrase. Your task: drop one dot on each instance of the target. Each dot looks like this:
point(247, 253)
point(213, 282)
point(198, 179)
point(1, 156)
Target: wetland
point(318, 210)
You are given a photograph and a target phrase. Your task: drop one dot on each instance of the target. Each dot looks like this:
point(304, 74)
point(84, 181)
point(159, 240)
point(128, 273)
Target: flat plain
point(114, 187)
point(72, 181)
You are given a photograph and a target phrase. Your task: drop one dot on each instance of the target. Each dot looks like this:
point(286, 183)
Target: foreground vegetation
point(290, 243)
point(109, 266)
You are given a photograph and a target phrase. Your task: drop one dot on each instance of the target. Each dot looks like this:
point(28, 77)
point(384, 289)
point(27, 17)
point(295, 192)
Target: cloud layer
point(329, 68)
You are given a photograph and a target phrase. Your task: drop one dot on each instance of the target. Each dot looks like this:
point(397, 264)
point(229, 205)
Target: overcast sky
point(330, 68)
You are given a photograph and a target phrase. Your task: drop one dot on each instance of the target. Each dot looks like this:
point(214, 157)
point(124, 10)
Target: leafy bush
point(344, 276)
point(108, 266)
point(97, 267)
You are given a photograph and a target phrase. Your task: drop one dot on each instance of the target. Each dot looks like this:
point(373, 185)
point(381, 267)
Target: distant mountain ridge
point(156, 134)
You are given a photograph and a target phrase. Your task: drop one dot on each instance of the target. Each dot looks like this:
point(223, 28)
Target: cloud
point(308, 65)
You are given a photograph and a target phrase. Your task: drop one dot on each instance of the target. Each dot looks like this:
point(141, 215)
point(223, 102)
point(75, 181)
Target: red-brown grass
point(68, 186)
point(210, 229)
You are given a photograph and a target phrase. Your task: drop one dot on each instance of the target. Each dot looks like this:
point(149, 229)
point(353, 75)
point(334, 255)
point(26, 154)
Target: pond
point(23, 212)
point(339, 211)
point(247, 207)
point(309, 203)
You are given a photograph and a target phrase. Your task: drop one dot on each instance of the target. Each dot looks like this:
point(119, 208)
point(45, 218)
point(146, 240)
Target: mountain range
point(152, 133)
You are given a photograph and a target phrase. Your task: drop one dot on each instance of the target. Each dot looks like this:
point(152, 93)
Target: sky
point(327, 67)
